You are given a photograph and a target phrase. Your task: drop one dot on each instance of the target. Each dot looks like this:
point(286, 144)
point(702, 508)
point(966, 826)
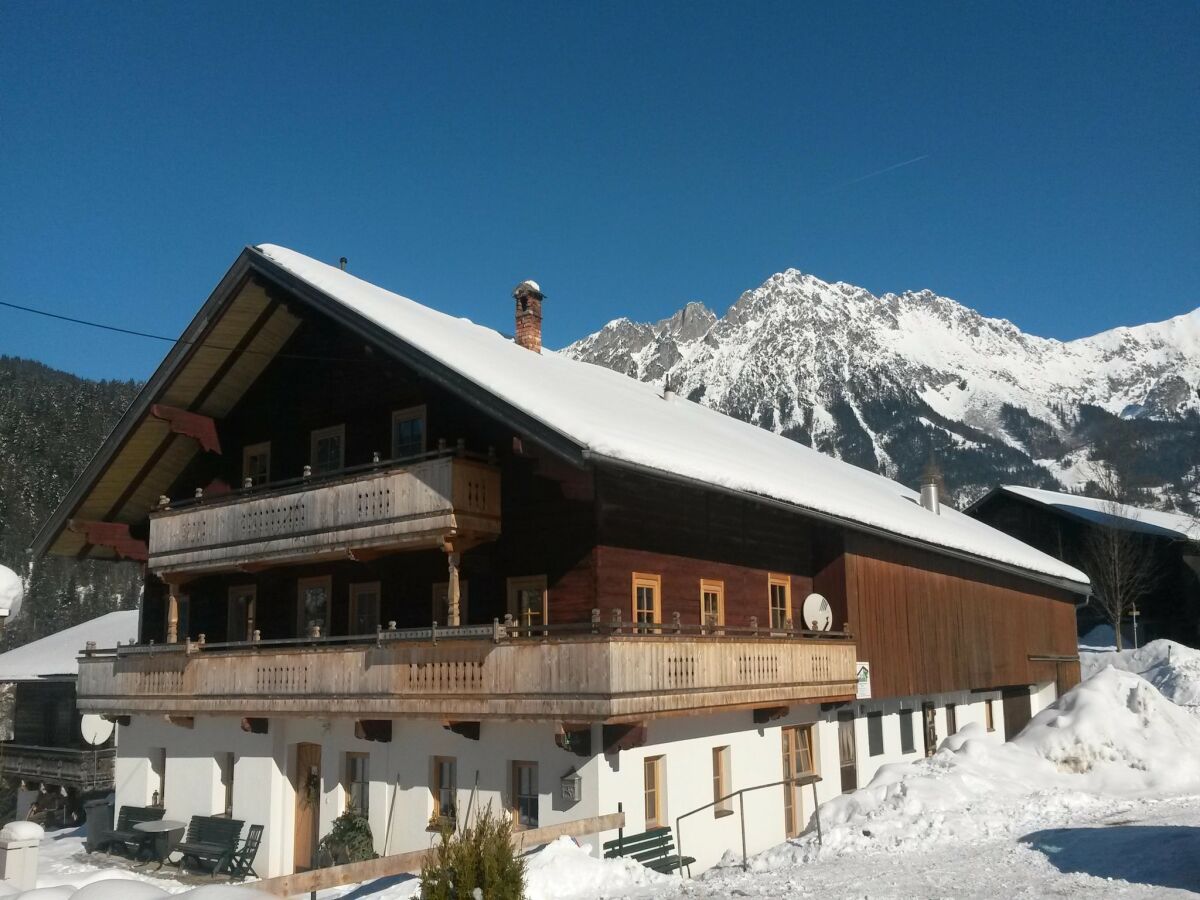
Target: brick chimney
point(529, 299)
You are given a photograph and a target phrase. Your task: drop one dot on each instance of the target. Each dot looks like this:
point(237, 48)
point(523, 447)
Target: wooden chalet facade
point(365, 557)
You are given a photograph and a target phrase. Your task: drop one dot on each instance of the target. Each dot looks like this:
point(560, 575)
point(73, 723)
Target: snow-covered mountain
point(884, 381)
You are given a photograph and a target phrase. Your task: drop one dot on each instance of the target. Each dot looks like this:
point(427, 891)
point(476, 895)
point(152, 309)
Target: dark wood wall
point(932, 624)
point(44, 715)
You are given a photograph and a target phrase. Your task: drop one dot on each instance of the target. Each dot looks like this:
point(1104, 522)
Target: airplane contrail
point(899, 165)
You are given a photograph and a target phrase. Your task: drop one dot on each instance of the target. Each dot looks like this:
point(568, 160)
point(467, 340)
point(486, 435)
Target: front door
point(1018, 710)
point(307, 782)
point(846, 752)
point(930, 722)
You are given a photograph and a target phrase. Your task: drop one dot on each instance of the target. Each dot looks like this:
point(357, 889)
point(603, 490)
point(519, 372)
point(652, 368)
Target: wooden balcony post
point(452, 590)
point(172, 612)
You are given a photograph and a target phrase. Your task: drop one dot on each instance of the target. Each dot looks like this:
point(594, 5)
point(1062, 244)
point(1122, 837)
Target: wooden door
point(1018, 710)
point(797, 761)
point(307, 782)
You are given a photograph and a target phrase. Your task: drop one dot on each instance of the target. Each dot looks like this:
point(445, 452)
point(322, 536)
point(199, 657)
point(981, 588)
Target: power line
point(170, 340)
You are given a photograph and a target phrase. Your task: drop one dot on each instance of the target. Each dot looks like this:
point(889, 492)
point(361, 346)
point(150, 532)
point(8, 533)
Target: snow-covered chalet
point(399, 562)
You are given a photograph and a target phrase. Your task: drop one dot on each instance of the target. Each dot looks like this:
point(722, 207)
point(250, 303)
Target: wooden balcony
point(357, 513)
point(606, 674)
point(81, 769)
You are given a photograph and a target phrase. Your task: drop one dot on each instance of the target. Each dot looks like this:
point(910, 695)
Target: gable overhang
point(240, 329)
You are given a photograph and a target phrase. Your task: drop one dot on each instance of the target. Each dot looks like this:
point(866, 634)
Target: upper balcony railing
point(586, 672)
point(380, 507)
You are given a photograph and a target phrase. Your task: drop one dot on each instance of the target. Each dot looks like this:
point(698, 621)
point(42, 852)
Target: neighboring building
point(47, 758)
point(1060, 524)
point(617, 577)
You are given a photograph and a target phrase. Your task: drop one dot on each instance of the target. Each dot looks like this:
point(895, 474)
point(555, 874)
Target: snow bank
point(1172, 668)
point(564, 869)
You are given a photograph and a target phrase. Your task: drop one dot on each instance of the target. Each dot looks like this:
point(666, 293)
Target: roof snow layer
point(612, 416)
point(1119, 515)
point(55, 654)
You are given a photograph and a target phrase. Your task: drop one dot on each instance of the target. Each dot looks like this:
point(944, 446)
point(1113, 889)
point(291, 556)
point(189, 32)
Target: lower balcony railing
point(82, 769)
point(589, 672)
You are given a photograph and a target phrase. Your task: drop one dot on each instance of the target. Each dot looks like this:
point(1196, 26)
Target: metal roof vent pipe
point(529, 299)
point(931, 488)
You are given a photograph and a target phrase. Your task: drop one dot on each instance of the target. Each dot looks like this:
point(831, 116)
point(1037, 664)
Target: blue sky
point(630, 157)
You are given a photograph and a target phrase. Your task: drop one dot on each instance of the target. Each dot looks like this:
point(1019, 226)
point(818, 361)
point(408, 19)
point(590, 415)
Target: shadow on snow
point(1160, 855)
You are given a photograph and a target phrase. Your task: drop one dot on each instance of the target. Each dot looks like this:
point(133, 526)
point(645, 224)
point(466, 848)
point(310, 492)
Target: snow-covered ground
point(1099, 796)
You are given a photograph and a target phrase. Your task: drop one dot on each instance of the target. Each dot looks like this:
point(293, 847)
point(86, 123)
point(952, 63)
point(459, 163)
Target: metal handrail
point(799, 780)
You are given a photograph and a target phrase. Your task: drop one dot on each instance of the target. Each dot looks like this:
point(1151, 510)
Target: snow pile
point(1172, 668)
point(564, 869)
point(11, 592)
point(1108, 741)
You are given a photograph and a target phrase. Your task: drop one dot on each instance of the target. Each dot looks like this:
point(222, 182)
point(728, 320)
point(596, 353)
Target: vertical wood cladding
point(930, 624)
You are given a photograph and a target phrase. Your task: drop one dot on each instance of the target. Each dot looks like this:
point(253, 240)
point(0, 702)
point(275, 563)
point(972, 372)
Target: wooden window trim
point(227, 787)
point(327, 582)
point(645, 579)
point(786, 582)
point(722, 784)
point(262, 448)
point(514, 795)
point(713, 586)
point(362, 587)
point(659, 767)
point(989, 715)
point(405, 415)
point(524, 583)
point(318, 434)
point(436, 787)
point(252, 607)
point(346, 780)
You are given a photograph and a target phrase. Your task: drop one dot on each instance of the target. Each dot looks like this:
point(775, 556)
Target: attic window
point(408, 432)
point(327, 449)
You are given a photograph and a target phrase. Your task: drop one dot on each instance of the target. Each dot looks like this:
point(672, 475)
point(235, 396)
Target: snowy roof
point(614, 417)
point(1103, 512)
point(55, 654)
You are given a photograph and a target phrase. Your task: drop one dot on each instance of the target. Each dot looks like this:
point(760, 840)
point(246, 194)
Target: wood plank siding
point(931, 624)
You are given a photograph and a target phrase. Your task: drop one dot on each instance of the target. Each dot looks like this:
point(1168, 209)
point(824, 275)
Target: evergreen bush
point(480, 858)
point(349, 840)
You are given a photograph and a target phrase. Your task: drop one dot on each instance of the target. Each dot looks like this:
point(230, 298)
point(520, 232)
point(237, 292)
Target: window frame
point(951, 719)
point(407, 414)
point(262, 448)
point(785, 581)
point(226, 783)
point(249, 616)
point(348, 781)
point(646, 580)
point(519, 583)
point(319, 434)
point(712, 586)
point(907, 714)
point(436, 788)
point(657, 765)
point(722, 758)
point(515, 795)
point(356, 589)
point(157, 759)
point(301, 622)
point(989, 715)
point(875, 739)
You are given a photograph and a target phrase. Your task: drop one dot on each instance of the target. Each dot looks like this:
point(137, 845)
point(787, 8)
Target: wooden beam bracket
point(469, 730)
point(624, 736)
point(114, 535)
point(765, 714)
point(201, 429)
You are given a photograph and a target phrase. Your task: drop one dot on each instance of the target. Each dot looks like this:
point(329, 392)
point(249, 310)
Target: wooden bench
point(210, 839)
point(125, 835)
point(654, 849)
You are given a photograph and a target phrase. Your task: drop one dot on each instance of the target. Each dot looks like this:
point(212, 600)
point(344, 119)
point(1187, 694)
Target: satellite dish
point(95, 729)
point(818, 615)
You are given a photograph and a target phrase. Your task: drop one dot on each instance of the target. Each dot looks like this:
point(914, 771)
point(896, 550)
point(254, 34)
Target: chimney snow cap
point(528, 286)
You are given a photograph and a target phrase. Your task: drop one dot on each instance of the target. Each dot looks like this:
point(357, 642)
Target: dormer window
point(408, 432)
point(327, 449)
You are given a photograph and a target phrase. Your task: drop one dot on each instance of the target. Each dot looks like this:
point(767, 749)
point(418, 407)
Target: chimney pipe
point(931, 487)
point(529, 299)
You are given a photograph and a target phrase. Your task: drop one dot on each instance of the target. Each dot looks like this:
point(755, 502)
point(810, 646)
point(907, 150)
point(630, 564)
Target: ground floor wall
point(186, 767)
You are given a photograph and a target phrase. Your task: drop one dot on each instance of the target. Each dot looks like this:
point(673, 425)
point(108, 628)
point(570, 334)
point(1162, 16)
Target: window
point(989, 715)
point(907, 744)
point(780, 591)
point(654, 788)
point(408, 432)
point(443, 787)
point(527, 600)
point(647, 605)
point(327, 449)
point(242, 600)
point(712, 603)
point(797, 762)
point(158, 776)
point(441, 602)
point(256, 463)
point(225, 768)
point(312, 596)
point(364, 608)
point(525, 794)
point(847, 752)
point(721, 782)
point(358, 782)
point(875, 733)
point(951, 719)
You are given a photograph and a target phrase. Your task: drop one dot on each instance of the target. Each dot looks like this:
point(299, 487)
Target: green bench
point(209, 839)
point(125, 836)
point(654, 849)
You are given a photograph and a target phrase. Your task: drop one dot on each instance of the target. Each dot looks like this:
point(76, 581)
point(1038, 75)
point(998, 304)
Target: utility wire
point(170, 340)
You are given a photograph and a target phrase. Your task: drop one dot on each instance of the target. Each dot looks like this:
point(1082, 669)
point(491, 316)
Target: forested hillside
point(50, 425)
